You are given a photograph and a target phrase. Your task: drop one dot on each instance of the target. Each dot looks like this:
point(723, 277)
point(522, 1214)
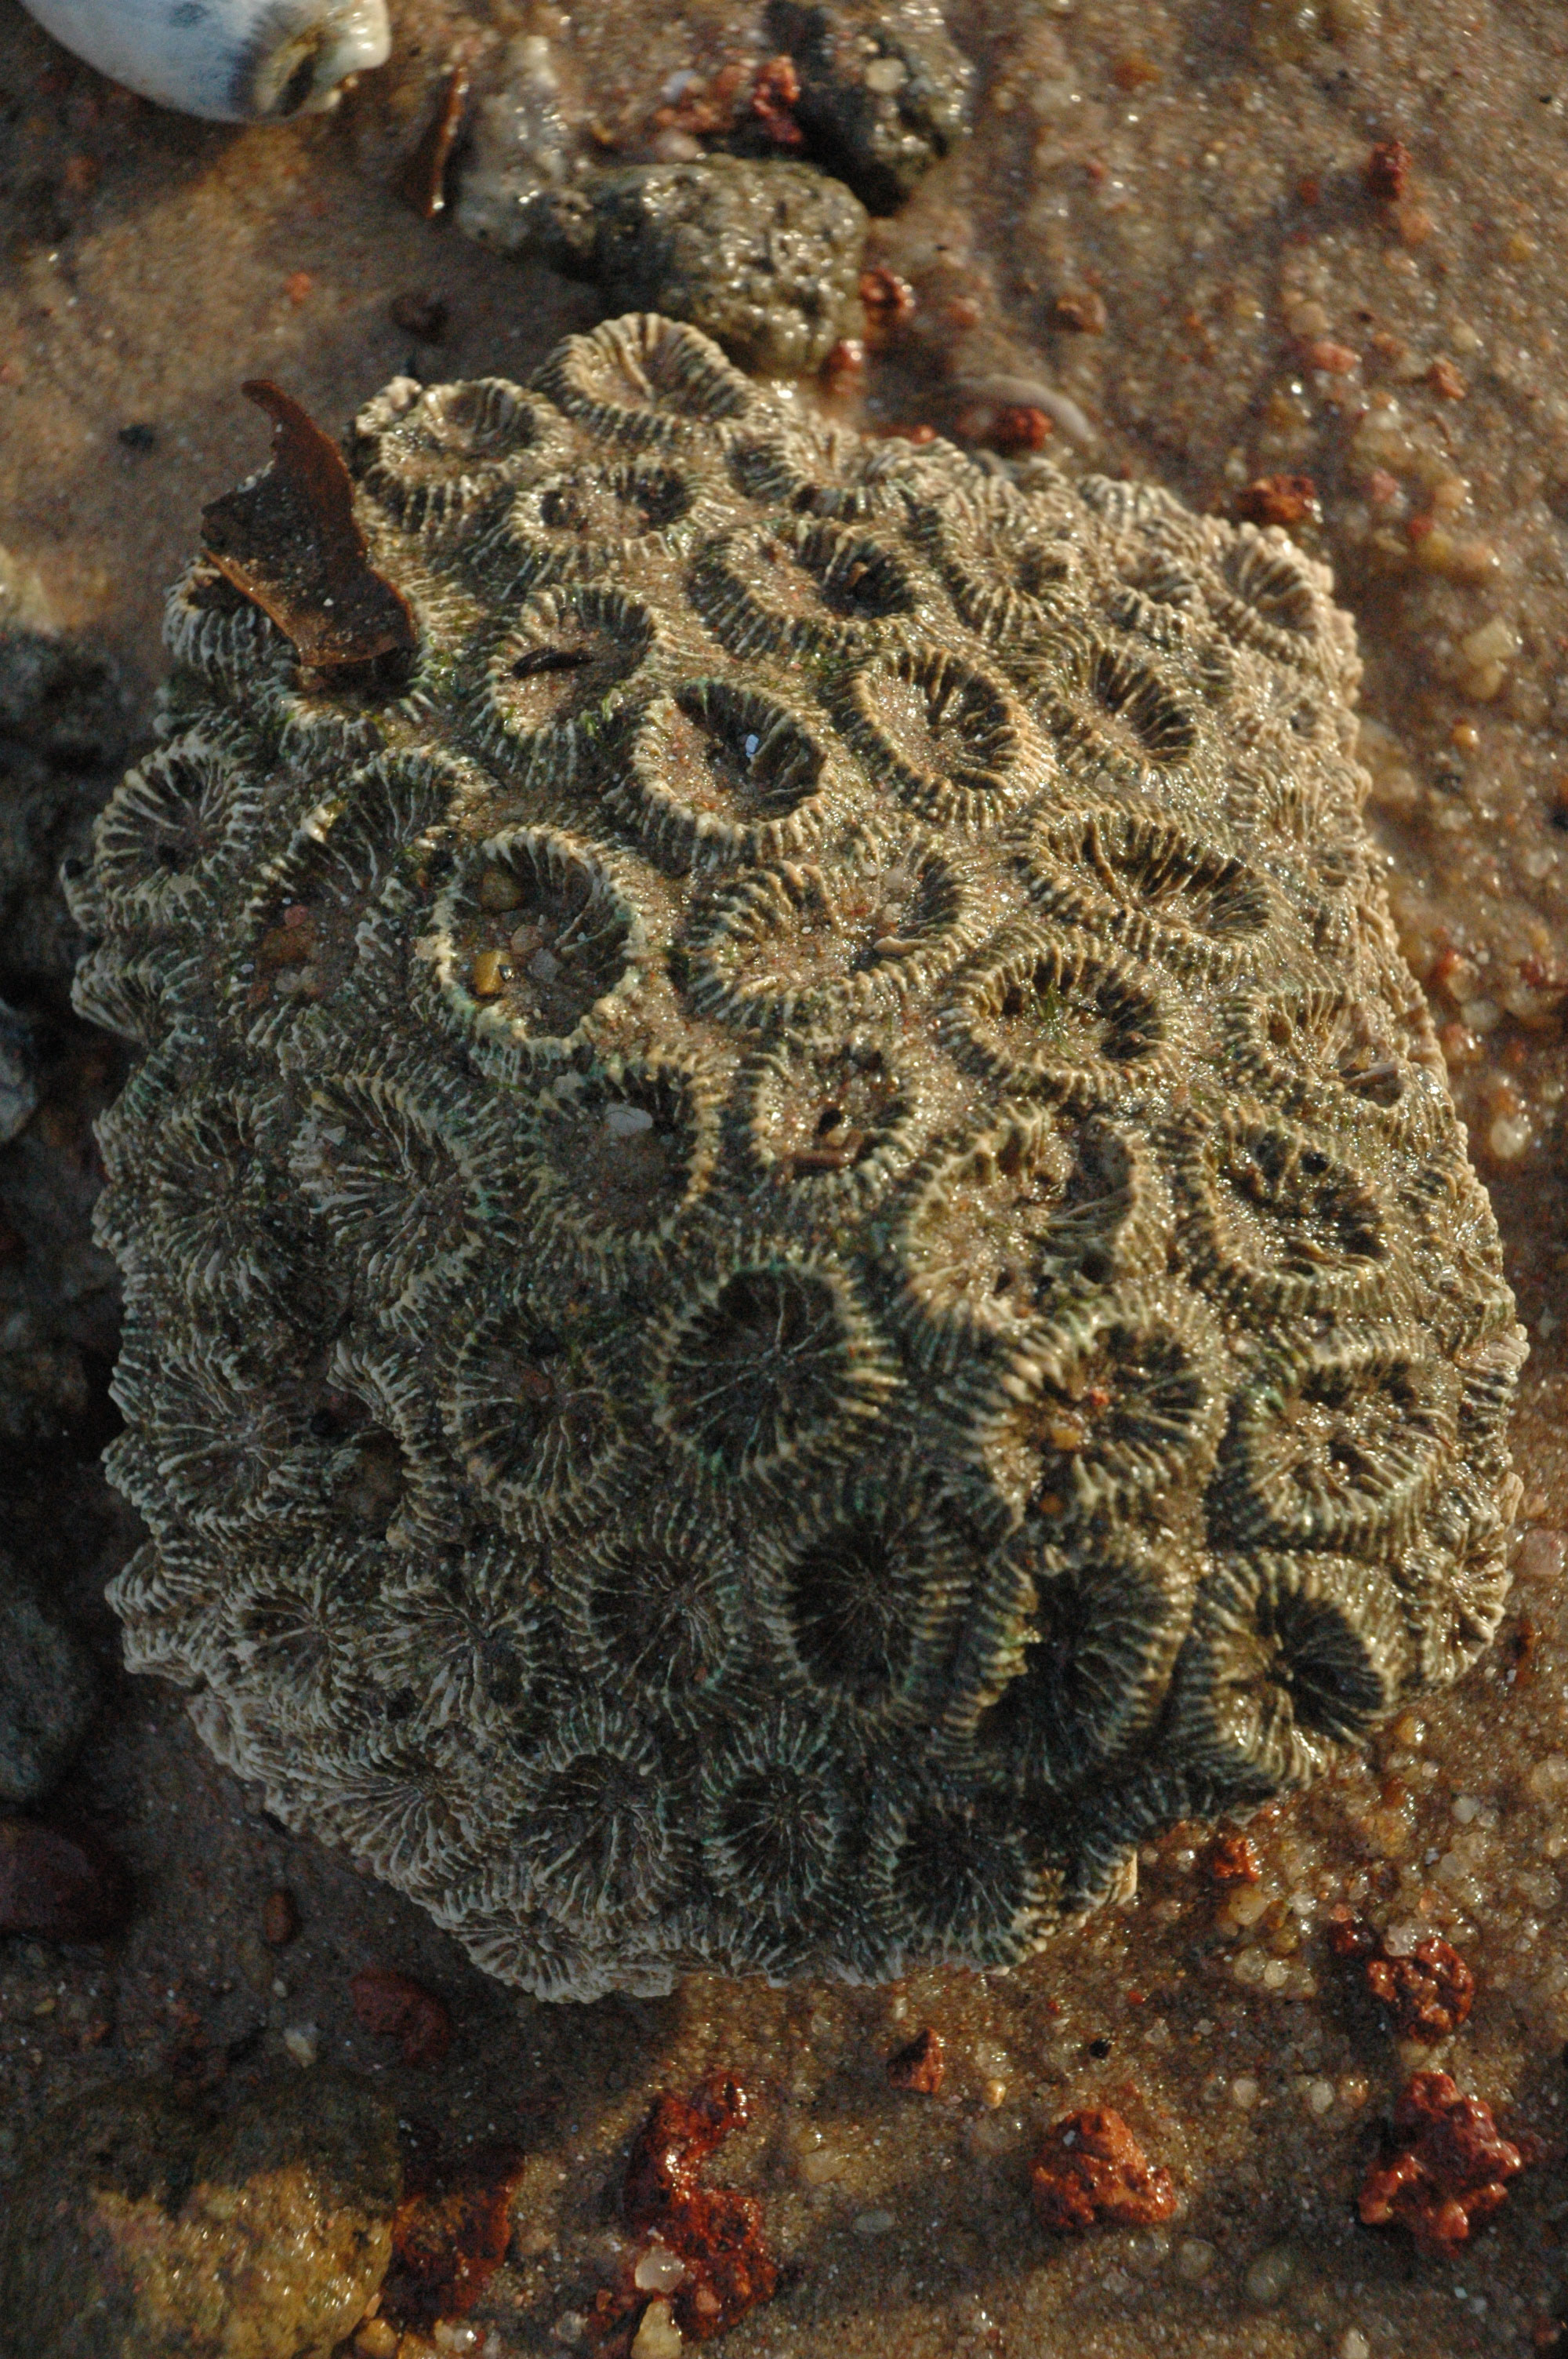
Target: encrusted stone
point(796, 1256)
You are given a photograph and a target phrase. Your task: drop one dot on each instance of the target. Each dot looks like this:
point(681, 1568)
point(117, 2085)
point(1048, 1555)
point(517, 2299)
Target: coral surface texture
point(796, 1254)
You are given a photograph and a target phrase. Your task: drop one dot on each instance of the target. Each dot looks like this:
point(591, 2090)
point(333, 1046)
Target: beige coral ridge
point(796, 1254)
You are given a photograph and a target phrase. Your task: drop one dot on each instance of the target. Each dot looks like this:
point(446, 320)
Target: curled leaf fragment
point(288, 540)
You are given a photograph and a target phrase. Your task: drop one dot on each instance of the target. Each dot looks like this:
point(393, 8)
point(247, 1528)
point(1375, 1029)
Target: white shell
point(234, 60)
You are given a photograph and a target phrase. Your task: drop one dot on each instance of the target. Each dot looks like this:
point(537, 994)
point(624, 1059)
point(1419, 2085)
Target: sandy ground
point(1194, 173)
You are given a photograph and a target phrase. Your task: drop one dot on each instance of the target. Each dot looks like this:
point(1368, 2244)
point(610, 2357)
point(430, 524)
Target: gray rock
point(883, 92)
point(523, 144)
point(18, 1096)
point(138, 2227)
point(48, 1693)
point(62, 740)
point(765, 258)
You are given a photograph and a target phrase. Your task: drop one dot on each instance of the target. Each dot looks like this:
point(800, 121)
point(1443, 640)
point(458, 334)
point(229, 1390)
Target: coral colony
point(797, 1256)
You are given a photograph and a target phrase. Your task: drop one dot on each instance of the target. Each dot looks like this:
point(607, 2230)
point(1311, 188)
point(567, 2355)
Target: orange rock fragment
point(775, 95)
point(1429, 1991)
point(715, 2231)
point(1444, 2167)
point(1334, 359)
point(280, 1918)
point(1091, 2168)
point(449, 2233)
point(1387, 168)
point(919, 2065)
point(1277, 499)
point(1233, 1860)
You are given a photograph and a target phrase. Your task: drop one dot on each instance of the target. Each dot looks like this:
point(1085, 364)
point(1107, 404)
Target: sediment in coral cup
point(796, 1256)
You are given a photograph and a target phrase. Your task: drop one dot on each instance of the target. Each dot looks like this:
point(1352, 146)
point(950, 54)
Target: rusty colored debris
point(288, 541)
point(1444, 2167)
point(450, 2232)
point(1428, 1990)
point(715, 2231)
point(1233, 1859)
point(1277, 499)
point(1081, 311)
point(280, 1918)
point(919, 2065)
point(1389, 170)
point(1091, 2168)
point(775, 95)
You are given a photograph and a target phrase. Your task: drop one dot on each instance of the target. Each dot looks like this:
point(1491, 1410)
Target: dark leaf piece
point(288, 541)
point(423, 181)
point(394, 2006)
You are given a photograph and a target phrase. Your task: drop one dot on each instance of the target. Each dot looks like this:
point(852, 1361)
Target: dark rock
point(60, 1883)
point(63, 735)
point(47, 1689)
point(18, 1092)
point(765, 258)
point(877, 127)
point(139, 2227)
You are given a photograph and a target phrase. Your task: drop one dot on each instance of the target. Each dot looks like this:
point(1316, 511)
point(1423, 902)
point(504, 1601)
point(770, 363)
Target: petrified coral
point(796, 1254)
point(765, 258)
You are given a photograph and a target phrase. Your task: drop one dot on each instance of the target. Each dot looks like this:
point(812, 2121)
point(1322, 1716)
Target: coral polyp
point(797, 1260)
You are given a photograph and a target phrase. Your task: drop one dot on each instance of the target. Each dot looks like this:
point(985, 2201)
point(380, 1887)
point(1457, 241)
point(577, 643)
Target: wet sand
point(1179, 171)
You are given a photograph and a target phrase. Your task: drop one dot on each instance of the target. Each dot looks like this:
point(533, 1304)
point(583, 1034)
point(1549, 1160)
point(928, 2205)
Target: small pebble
point(873, 2224)
point(658, 2336)
point(1195, 2258)
point(658, 2270)
point(280, 1918)
point(1269, 2275)
point(303, 2041)
point(377, 2339)
point(1353, 2344)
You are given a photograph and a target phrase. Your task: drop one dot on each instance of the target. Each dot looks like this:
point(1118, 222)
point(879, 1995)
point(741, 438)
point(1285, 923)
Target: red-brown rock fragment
point(715, 2231)
point(449, 2233)
point(59, 1886)
point(1428, 1989)
point(394, 2006)
point(1277, 499)
point(919, 2065)
point(775, 93)
point(1232, 1859)
point(1091, 2168)
point(1444, 2166)
point(280, 1918)
point(1429, 1993)
point(1388, 169)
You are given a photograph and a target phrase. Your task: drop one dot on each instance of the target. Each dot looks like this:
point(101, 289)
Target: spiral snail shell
point(232, 60)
